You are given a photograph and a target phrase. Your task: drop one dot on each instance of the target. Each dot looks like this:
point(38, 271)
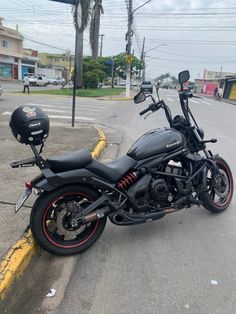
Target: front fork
point(212, 166)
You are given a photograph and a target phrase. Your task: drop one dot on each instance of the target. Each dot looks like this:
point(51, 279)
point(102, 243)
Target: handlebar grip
point(144, 111)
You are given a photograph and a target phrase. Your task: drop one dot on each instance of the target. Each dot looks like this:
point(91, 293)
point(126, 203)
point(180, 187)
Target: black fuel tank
point(155, 142)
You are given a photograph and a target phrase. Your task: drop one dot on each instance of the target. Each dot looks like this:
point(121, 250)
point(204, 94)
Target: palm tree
point(86, 10)
point(95, 27)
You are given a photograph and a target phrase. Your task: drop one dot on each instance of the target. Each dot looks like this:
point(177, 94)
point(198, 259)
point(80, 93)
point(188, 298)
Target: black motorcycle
point(166, 170)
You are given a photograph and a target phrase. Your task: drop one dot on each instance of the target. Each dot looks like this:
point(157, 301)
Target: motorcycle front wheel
point(220, 194)
point(50, 221)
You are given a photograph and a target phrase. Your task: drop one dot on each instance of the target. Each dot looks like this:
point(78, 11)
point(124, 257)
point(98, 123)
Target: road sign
point(73, 2)
point(109, 62)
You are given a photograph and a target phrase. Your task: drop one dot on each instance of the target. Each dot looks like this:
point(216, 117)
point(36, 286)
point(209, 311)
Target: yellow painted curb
point(16, 262)
point(100, 146)
point(117, 98)
point(19, 256)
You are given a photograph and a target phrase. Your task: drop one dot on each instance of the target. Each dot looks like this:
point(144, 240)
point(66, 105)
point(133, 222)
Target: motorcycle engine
point(159, 192)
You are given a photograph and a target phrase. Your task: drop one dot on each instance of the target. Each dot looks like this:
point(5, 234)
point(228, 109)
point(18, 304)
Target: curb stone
point(20, 255)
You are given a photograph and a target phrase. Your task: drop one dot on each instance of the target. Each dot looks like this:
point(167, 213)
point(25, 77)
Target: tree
point(121, 64)
point(85, 6)
point(162, 77)
point(93, 72)
point(95, 27)
point(174, 81)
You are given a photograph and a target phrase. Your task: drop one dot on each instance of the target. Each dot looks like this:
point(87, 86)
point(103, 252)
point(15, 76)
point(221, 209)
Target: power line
point(43, 44)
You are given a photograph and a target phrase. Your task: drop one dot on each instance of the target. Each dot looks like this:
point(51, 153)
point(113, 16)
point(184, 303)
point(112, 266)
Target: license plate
point(22, 199)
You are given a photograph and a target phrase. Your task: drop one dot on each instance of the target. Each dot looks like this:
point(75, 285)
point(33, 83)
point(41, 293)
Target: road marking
point(48, 106)
point(69, 117)
point(170, 99)
point(57, 111)
point(8, 113)
point(205, 102)
point(66, 107)
point(194, 101)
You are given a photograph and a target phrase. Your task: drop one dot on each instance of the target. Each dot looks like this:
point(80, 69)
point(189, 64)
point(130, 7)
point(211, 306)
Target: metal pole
point(112, 73)
point(142, 58)
point(75, 78)
point(102, 35)
point(144, 67)
point(128, 68)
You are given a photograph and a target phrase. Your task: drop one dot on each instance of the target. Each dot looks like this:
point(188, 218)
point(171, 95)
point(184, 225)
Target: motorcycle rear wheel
point(50, 221)
point(217, 199)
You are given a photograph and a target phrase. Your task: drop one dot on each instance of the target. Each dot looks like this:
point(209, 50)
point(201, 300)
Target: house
point(211, 80)
point(230, 88)
point(52, 64)
point(11, 52)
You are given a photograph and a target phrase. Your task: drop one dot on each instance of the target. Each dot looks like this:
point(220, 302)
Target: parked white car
point(38, 80)
point(56, 80)
point(1, 90)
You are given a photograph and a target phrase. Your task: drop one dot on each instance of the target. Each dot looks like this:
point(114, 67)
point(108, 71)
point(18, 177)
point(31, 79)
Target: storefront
point(6, 67)
point(29, 62)
point(230, 89)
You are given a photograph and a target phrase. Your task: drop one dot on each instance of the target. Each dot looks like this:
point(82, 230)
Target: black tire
point(48, 215)
point(224, 191)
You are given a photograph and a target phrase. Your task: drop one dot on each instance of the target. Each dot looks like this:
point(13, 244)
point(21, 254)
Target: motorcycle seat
point(113, 170)
point(70, 161)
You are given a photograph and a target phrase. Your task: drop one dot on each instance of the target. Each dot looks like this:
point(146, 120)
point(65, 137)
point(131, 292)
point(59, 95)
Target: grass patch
point(99, 92)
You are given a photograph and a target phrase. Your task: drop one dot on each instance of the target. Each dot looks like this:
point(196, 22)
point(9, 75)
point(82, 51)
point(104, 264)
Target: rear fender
point(70, 177)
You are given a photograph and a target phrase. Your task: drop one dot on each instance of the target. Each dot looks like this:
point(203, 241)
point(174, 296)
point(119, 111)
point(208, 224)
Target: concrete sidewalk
point(62, 139)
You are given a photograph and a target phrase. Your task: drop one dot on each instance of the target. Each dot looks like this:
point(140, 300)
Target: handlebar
point(144, 111)
point(193, 96)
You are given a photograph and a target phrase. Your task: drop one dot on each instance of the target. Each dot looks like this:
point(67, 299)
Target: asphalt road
point(165, 266)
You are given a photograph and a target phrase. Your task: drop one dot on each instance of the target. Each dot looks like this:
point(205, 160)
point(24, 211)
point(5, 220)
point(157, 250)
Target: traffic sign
point(129, 58)
point(109, 62)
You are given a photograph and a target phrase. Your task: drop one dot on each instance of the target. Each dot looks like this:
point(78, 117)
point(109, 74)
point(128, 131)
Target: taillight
point(28, 185)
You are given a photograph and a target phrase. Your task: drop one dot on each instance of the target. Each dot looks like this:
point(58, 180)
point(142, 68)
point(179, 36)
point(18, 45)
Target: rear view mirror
point(183, 77)
point(140, 97)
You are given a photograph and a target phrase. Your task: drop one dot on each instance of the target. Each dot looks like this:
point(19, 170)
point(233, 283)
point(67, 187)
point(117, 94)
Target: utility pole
point(101, 44)
point(129, 42)
point(143, 61)
point(128, 48)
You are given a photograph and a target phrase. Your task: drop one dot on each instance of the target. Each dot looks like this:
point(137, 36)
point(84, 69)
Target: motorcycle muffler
point(97, 214)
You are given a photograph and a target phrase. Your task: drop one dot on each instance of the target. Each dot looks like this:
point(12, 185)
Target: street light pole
point(144, 62)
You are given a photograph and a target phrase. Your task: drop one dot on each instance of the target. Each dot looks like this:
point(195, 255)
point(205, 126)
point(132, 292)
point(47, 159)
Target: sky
point(194, 35)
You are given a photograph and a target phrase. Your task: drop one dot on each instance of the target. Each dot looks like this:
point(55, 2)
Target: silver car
point(1, 90)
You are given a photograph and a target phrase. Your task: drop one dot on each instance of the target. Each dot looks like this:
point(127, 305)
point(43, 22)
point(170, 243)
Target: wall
point(15, 47)
point(232, 94)
point(49, 72)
